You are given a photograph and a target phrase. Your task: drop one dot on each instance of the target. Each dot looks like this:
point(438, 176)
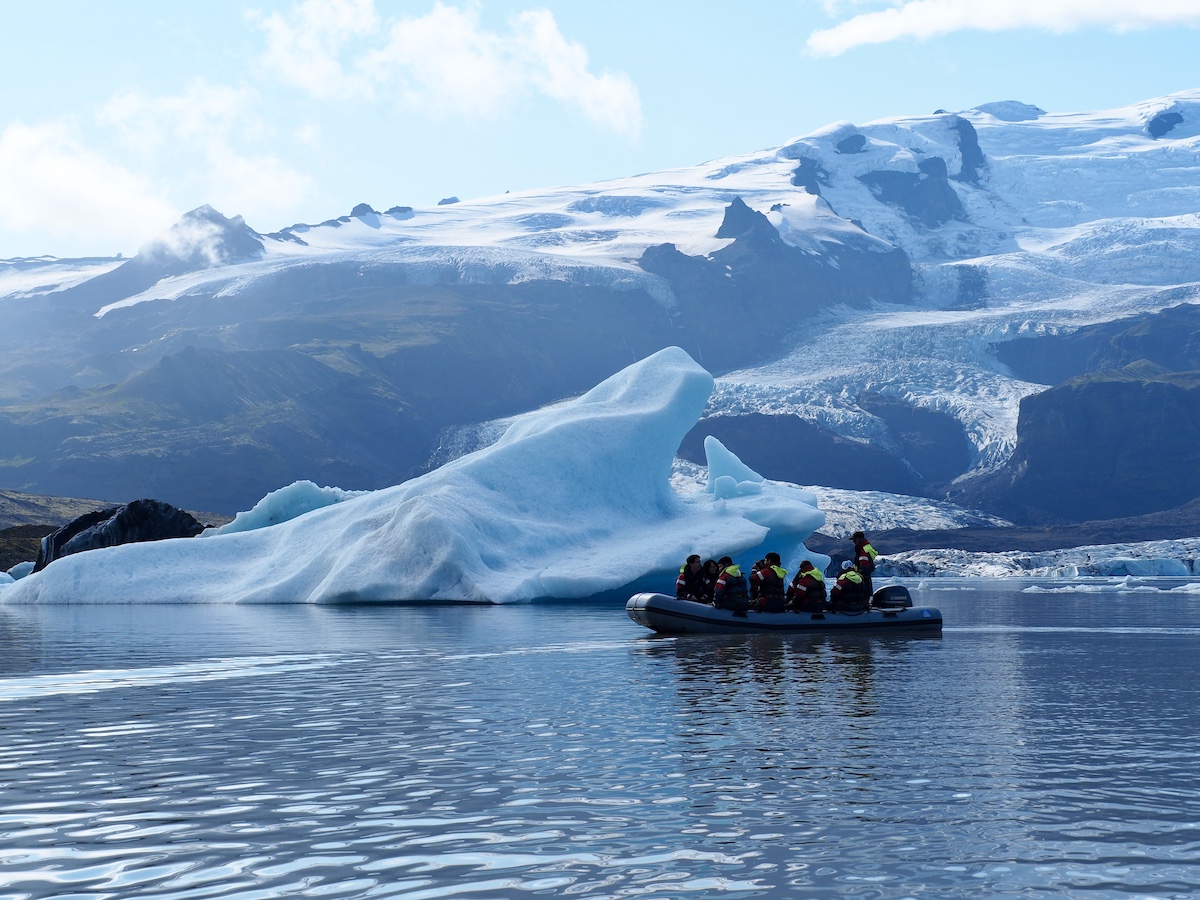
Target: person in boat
point(769, 583)
point(690, 584)
point(731, 591)
point(807, 591)
point(849, 592)
point(864, 559)
point(711, 573)
point(752, 584)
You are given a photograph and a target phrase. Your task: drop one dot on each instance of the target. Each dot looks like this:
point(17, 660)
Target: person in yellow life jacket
point(849, 593)
point(864, 559)
point(731, 591)
point(807, 591)
point(771, 583)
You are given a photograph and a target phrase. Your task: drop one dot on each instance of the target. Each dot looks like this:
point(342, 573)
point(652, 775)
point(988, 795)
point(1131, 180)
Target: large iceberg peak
point(574, 500)
point(619, 437)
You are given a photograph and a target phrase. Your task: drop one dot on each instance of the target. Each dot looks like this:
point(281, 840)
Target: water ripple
point(482, 762)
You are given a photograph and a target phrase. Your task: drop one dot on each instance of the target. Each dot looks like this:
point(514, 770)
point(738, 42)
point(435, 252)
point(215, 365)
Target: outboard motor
point(894, 596)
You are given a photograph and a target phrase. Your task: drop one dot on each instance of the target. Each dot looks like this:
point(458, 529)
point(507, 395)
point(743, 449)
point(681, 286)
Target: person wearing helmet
point(849, 594)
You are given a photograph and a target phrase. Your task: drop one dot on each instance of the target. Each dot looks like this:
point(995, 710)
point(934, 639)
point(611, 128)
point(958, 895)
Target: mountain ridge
point(858, 279)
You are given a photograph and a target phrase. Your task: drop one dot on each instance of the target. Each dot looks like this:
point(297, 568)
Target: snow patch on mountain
point(29, 277)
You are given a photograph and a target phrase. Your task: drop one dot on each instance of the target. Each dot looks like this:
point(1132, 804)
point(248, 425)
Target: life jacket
point(770, 586)
point(731, 586)
point(866, 550)
point(851, 591)
point(689, 583)
point(850, 575)
point(810, 585)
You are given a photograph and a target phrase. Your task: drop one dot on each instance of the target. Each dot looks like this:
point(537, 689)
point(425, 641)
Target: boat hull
point(666, 615)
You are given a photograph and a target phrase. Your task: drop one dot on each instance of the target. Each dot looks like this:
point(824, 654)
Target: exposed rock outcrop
point(141, 520)
point(810, 175)
point(1169, 338)
point(761, 285)
point(743, 223)
point(855, 143)
point(925, 196)
point(201, 239)
point(973, 159)
point(1163, 124)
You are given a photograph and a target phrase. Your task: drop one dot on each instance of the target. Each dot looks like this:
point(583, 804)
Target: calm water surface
point(1045, 745)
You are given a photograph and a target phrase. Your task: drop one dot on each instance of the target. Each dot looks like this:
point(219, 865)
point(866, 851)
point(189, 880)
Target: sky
point(115, 119)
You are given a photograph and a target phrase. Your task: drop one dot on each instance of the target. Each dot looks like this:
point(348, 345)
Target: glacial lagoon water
point(1045, 745)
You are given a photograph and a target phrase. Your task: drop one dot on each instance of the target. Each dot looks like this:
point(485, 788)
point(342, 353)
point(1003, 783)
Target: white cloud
point(444, 63)
point(200, 137)
point(51, 183)
point(303, 49)
point(122, 178)
point(261, 188)
point(933, 18)
point(203, 113)
point(560, 69)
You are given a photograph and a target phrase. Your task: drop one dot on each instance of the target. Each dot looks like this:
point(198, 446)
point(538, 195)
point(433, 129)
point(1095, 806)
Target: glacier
point(1067, 219)
point(572, 501)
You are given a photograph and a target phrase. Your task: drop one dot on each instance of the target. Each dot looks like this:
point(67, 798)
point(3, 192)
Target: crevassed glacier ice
point(571, 501)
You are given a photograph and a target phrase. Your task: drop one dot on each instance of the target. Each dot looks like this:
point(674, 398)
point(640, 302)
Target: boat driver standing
point(864, 559)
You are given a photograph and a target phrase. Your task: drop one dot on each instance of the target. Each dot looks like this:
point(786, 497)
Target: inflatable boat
point(891, 610)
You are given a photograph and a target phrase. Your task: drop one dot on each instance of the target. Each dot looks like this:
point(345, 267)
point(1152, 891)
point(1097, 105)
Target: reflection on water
point(1040, 746)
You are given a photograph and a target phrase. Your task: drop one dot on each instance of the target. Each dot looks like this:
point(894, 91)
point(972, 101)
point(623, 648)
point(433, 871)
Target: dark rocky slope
point(1115, 443)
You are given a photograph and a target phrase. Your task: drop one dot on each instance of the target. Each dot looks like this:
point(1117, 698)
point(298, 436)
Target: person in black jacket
point(711, 573)
point(690, 585)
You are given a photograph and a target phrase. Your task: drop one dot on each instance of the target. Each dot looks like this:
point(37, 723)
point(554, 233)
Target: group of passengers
point(721, 583)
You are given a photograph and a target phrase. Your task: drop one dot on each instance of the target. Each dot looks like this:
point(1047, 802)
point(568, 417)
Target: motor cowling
point(894, 596)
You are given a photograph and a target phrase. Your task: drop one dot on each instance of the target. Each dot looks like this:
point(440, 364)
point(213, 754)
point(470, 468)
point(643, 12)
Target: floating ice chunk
point(282, 505)
point(724, 467)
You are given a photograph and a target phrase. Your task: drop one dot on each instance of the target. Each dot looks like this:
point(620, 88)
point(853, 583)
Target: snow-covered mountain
point(882, 260)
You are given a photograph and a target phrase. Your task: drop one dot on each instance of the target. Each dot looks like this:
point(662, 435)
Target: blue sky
point(117, 118)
